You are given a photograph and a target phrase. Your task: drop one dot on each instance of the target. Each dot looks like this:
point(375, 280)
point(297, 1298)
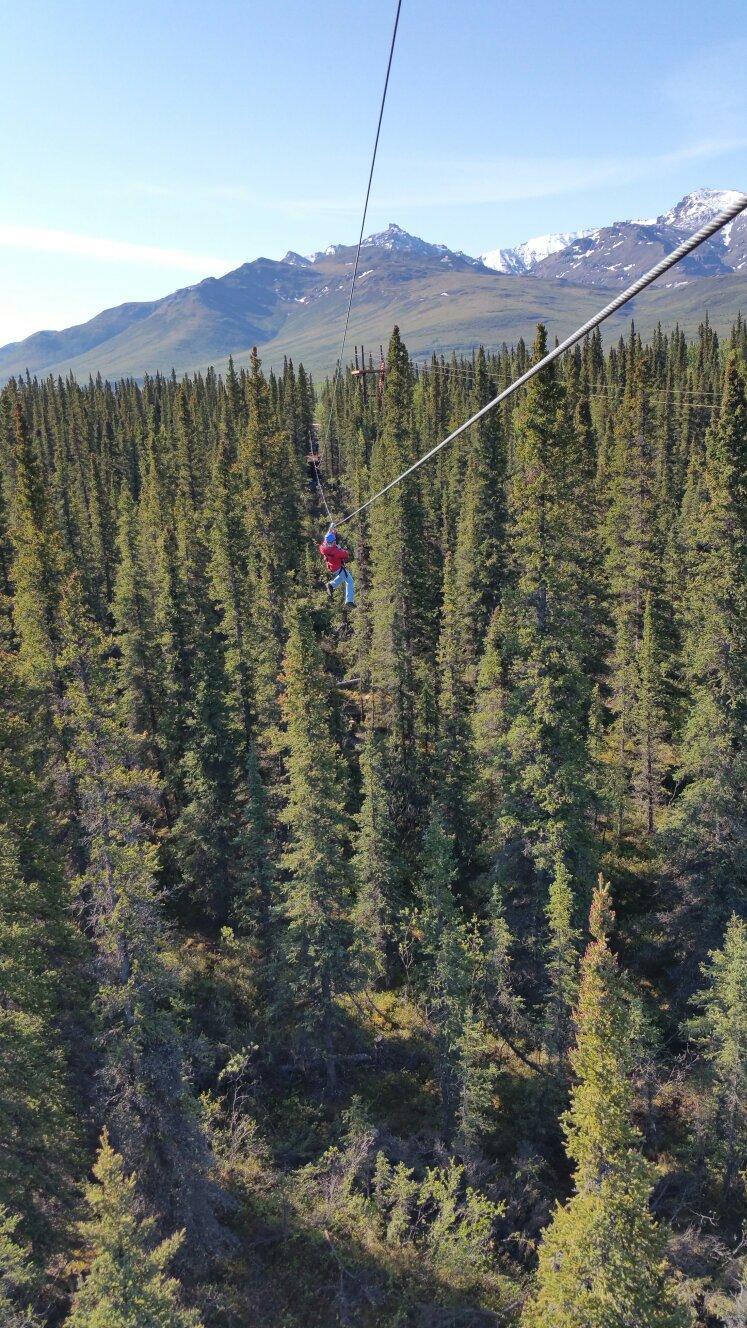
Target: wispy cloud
point(189, 192)
point(472, 182)
point(435, 182)
point(428, 183)
point(38, 239)
point(712, 81)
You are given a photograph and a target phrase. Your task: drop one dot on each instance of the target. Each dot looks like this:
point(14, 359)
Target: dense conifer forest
point(387, 970)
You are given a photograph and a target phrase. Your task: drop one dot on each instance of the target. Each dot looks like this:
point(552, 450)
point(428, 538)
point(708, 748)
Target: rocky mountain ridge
point(618, 254)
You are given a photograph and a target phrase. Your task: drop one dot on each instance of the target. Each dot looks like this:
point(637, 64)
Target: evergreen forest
point(379, 969)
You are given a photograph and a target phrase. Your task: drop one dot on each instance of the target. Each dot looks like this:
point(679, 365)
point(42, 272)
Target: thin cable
point(356, 265)
point(660, 268)
point(653, 393)
point(683, 393)
point(320, 486)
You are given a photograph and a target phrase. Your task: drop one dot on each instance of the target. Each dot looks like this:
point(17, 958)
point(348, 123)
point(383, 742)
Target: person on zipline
point(336, 558)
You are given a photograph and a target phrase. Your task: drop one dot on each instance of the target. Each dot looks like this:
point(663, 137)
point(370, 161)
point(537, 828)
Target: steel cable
point(676, 256)
point(356, 265)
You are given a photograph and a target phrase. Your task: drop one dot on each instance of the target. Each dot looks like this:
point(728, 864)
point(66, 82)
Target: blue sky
point(145, 145)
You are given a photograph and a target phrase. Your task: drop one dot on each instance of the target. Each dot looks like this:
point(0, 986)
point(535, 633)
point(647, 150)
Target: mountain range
point(616, 255)
point(442, 299)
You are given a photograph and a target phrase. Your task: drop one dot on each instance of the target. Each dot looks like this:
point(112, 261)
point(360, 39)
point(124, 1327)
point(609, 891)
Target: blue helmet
point(330, 537)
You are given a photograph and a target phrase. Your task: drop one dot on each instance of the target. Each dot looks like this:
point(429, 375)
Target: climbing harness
point(682, 250)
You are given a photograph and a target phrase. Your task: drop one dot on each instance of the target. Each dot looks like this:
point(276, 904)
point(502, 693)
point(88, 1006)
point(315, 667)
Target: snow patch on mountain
point(397, 240)
point(502, 260)
point(698, 208)
point(329, 252)
point(524, 257)
point(394, 238)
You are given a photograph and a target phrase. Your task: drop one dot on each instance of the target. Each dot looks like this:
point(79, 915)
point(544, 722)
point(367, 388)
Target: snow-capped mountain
point(526, 256)
point(617, 254)
point(395, 240)
point(296, 260)
point(697, 208)
point(609, 256)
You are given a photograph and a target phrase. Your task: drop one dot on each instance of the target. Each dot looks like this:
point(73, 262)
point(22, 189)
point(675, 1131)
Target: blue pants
point(344, 577)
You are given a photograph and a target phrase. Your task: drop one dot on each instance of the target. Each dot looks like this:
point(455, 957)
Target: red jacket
point(333, 556)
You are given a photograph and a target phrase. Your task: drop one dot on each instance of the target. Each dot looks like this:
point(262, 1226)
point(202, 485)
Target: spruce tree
point(140, 672)
point(488, 726)
point(304, 411)
point(601, 1259)
point(34, 1106)
point(709, 817)
point(562, 964)
point(207, 834)
point(401, 595)
point(649, 720)
point(317, 889)
point(229, 587)
point(6, 553)
point(127, 1285)
point(721, 1030)
point(480, 528)
point(169, 610)
point(633, 562)
point(451, 992)
point(456, 774)
point(36, 950)
point(535, 738)
point(503, 1005)
point(378, 867)
point(269, 474)
point(218, 820)
point(148, 1103)
point(229, 571)
point(17, 1276)
point(38, 567)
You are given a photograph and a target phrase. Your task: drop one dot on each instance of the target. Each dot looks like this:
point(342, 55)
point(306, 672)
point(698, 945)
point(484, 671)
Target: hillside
point(466, 312)
point(442, 300)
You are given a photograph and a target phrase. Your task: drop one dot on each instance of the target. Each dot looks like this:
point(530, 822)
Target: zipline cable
point(356, 265)
point(319, 485)
point(660, 268)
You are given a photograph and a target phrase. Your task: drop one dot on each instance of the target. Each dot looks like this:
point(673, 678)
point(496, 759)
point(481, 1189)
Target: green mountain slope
point(475, 312)
point(441, 300)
